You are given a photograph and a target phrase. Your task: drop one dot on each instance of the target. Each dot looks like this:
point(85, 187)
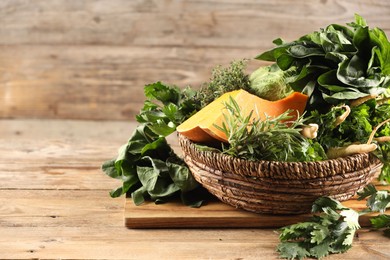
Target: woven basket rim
point(276, 169)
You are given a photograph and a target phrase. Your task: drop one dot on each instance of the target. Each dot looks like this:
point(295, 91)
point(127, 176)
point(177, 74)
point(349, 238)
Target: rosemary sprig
point(275, 138)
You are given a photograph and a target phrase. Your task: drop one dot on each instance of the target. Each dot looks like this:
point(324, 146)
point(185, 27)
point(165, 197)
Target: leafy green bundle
point(357, 127)
point(331, 231)
point(336, 64)
point(147, 165)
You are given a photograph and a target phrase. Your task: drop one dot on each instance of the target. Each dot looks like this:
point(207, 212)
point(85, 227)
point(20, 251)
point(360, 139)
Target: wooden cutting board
point(216, 214)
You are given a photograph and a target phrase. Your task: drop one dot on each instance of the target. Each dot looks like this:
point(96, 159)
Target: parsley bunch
point(332, 229)
point(377, 201)
point(329, 232)
point(357, 127)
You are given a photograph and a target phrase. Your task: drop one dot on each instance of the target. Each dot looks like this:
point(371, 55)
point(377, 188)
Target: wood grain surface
point(54, 204)
point(217, 214)
point(91, 59)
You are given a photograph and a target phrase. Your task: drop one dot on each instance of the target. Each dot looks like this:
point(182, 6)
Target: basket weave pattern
point(278, 187)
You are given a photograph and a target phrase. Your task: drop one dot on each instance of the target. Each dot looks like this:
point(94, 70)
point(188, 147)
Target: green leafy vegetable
point(331, 231)
point(356, 128)
point(377, 201)
point(271, 83)
point(336, 64)
point(147, 165)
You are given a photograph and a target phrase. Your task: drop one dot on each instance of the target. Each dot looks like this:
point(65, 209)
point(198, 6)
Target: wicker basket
point(278, 187)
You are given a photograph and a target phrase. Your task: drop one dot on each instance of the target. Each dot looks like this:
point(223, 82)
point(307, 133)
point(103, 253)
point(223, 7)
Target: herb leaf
point(377, 201)
point(273, 139)
point(381, 221)
point(331, 231)
point(224, 80)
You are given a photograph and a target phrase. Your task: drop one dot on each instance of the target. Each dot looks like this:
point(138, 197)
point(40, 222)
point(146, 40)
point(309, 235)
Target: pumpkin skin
point(201, 126)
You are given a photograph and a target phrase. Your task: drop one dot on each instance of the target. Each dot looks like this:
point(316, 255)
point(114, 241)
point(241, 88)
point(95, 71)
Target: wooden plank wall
point(90, 59)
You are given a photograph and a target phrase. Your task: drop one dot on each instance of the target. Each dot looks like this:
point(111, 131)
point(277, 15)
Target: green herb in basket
point(358, 127)
point(273, 139)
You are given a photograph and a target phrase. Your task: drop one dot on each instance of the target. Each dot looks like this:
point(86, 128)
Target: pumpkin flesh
point(201, 126)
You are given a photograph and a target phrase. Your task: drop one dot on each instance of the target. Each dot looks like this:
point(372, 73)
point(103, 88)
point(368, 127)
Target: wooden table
point(54, 203)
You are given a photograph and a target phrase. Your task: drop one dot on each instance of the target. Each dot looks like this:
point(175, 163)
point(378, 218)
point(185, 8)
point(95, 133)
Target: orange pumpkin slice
point(201, 126)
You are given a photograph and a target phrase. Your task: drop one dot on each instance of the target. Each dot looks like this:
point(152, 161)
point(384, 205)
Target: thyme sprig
point(224, 79)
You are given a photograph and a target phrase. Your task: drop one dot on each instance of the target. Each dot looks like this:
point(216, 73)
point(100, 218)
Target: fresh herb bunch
point(337, 63)
point(274, 139)
point(331, 231)
point(333, 227)
point(224, 80)
point(357, 127)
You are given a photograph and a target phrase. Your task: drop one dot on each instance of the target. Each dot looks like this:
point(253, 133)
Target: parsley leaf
point(292, 250)
point(329, 232)
point(377, 201)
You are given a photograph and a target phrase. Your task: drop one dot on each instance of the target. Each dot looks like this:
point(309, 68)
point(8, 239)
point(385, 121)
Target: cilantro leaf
point(321, 250)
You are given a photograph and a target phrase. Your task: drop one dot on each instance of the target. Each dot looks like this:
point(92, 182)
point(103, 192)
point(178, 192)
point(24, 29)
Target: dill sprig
point(274, 139)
